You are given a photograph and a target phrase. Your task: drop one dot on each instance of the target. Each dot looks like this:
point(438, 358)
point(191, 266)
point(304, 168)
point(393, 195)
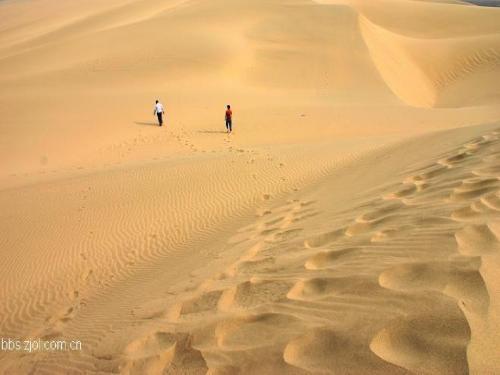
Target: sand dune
point(350, 224)
point(308, 283)
point(298, 65)
point(435, 71)
point(305, 288)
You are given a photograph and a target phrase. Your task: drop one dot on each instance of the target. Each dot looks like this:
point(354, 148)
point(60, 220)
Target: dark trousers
point(160, 118)
point(229, 124)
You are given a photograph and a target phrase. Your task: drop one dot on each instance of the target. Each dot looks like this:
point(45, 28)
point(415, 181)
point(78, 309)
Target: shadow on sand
point(212, 131)
point(485, 3)
point(146, 123)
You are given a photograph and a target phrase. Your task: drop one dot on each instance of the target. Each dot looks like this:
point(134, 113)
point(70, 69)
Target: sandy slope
point(387, 264)
point(350, 222)
point(76, 87)
point(430, 68)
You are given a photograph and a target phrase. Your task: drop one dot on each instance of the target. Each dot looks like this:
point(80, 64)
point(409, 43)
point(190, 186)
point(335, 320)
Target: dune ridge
point(273, 65)
point(421, 72)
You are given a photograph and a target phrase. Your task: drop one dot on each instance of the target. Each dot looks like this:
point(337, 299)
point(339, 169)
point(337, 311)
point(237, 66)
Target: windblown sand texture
point(349, 225)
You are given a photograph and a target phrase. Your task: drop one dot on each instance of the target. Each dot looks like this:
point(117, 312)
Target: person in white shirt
point(159, 111)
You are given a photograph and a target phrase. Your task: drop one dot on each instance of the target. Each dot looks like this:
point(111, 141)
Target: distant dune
point(349, 224)
point(486, 3)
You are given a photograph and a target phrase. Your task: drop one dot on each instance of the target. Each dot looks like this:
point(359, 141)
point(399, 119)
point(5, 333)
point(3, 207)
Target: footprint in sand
point(162, 352)
point(404, 192)
point(251, 294)
point(286, 235)
point(453, 160)
point(489, 171)
point(303, 215)
point(389, 234)
point(323, 287)
point(203, 303)
point(329, 259)
point(249, 267)
point(362, 225)
point(151, 310)
point(274, 221)
point(323, 239)
point(426, 343)
point(257, 330)
point(474, 187)
point(459, 279)
point(324, 350)
point(55, 323)
point(474, 240)
point(485, 205)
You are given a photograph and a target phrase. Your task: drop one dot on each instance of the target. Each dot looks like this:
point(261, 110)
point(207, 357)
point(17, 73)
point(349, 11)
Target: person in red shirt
point(229, 119)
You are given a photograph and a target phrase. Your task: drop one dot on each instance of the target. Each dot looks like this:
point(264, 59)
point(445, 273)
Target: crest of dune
point(427, 63)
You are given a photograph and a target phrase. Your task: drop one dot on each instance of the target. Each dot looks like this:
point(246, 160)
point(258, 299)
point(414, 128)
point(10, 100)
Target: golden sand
point(349, 225)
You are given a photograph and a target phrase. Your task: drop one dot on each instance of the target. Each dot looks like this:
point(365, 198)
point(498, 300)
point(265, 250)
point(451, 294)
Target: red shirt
point(229, 114)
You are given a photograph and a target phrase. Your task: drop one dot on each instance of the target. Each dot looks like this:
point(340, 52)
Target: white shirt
point(159, 108)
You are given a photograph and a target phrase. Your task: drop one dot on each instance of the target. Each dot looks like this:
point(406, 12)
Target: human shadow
point(146, 123)
point(212, 131)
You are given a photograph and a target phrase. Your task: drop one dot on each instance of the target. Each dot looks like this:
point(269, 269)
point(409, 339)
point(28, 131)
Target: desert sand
point(349, 225)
